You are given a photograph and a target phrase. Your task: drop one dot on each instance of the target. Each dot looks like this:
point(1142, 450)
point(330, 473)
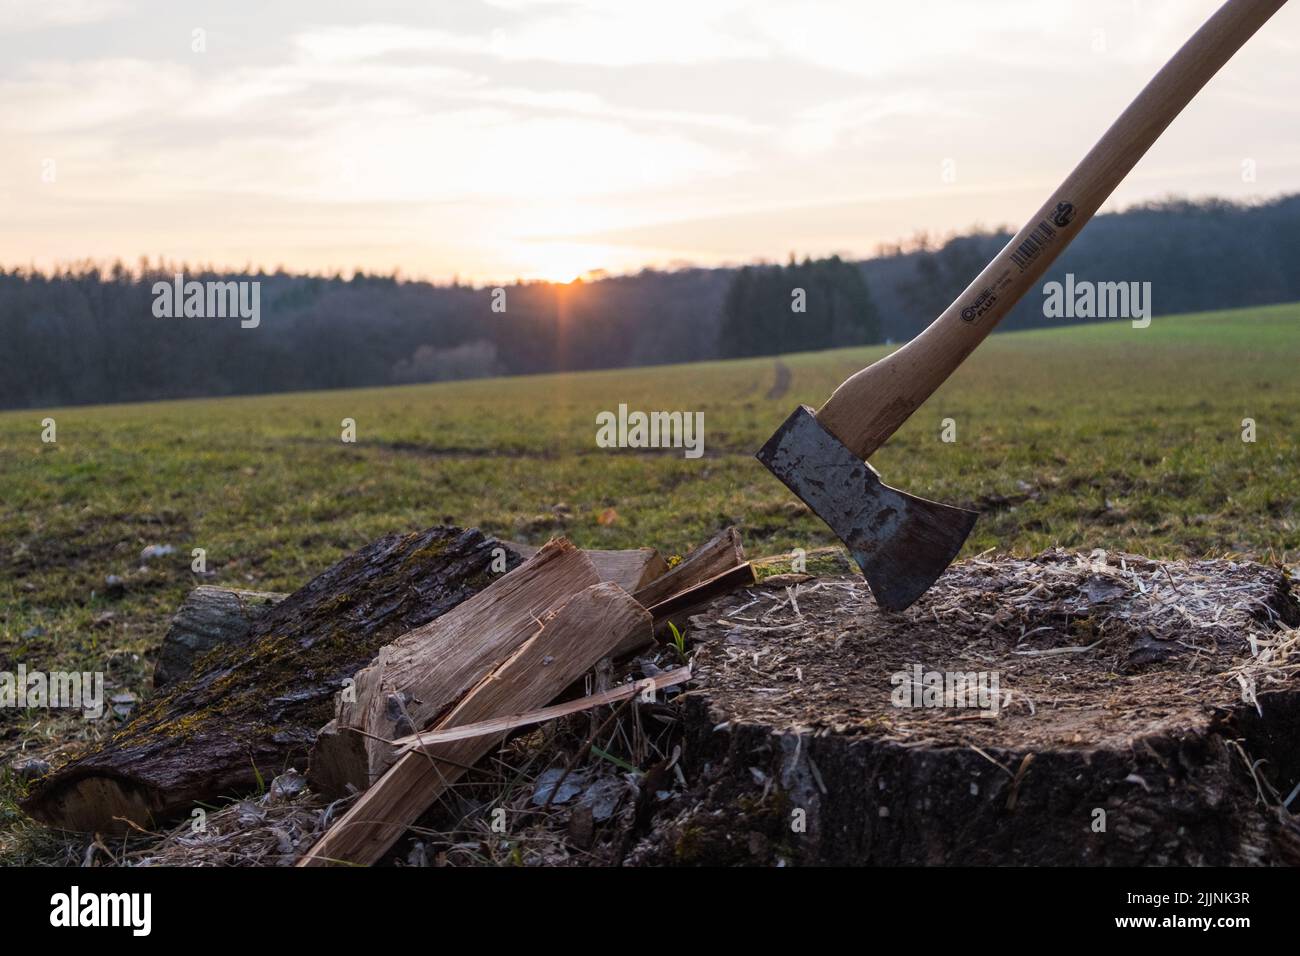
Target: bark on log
point(566, 642)
point(1104, 753)
point(212, 615)
point(414, 681)
point(253, 707)
point(208, 617)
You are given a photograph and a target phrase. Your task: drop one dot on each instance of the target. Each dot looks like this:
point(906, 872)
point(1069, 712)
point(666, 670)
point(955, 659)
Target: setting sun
point(565, 261)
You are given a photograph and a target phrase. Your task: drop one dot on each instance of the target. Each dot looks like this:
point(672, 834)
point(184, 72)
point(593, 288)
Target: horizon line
point(919, 241)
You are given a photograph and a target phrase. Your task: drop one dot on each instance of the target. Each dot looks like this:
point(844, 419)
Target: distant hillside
point(90, 335)
point(1197, 256)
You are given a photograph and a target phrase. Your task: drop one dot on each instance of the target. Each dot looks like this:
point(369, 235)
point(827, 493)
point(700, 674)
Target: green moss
point(819, 562)
point(428, 554)
point(336, 605)
point(751, 832)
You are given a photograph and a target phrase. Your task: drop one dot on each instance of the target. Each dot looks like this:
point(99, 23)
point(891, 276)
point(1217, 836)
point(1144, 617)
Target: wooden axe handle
point(870, 406)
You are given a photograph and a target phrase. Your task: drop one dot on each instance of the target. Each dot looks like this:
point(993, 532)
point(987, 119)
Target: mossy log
point(1148, 713)
point(209, 616)
point(252, 707)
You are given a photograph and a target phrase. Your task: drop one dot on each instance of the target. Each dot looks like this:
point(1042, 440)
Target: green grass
point(1091, 436)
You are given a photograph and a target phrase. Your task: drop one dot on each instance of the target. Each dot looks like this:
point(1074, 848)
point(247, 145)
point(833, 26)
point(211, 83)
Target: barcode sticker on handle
point(1034, 243)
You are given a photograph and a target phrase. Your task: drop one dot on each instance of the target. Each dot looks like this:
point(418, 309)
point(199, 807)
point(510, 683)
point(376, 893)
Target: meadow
point(1091, 436)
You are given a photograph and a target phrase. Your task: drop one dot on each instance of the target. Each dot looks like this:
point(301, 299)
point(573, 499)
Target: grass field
point(1090, 436)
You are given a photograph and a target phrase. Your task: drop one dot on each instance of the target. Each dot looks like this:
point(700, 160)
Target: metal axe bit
point(903, 543)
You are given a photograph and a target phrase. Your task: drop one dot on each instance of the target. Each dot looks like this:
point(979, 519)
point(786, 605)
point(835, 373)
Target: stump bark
point(1153, 718)
point(252, 706)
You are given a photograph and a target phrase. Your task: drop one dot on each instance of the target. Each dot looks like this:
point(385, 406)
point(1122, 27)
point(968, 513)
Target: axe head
point(901, 543)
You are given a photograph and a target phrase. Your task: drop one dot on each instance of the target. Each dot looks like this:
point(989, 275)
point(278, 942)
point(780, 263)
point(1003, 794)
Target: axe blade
point(902, 543)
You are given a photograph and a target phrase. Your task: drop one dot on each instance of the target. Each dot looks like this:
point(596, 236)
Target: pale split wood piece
point(630, 569)
point(720, 553)
point(500, 725)
point(568, 642)
point(418, 678)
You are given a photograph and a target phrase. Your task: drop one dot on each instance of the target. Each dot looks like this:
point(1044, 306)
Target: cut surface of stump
point(252, 707)
point(1132, 699)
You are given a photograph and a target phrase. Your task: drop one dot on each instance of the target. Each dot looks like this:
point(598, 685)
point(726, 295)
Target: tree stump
point(1146, 714)
point(252, 707)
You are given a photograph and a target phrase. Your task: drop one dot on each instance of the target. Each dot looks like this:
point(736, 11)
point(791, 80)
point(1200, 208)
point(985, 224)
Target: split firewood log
point(419, 677)
point(631, 570)
point(253, 706)
point(719, 554)
point(561, 644)
point(408, 685)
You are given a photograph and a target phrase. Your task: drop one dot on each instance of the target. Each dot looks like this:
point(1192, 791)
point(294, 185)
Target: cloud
point(357, 132)
point(488, 154)
point(591, 33)
point(348, 44)
point(19, 16)
point(63, 96)
point(679, 126)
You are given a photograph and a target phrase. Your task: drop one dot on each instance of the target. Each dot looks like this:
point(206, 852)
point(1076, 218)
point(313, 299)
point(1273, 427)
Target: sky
point(490, 140)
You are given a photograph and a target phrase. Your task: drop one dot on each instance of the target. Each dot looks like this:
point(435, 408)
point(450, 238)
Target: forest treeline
point(89, 334)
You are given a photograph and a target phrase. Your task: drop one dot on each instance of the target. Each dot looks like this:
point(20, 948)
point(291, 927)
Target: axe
point(903, 543)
